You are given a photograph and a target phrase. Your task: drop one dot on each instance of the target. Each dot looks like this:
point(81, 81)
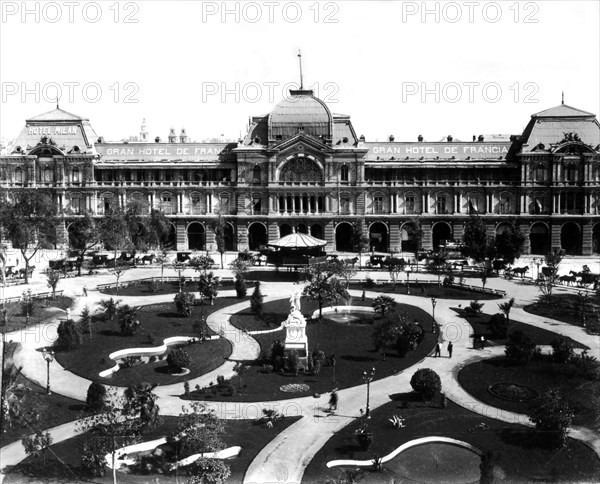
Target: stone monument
point(295, 336)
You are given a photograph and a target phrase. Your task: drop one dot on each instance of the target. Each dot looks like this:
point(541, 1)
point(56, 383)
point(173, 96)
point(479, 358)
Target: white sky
point(362, 64)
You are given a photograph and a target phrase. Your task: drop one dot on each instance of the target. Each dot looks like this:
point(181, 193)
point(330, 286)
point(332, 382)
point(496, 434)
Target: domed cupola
point(301, 112)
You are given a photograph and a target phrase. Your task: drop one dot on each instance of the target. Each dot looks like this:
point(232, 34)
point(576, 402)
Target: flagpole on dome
point(300, 61)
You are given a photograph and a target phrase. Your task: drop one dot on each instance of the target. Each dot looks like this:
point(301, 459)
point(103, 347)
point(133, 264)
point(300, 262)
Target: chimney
point(420, 138)
point(391, 138)
point(450, 138)
point(474, 138)
point(481, 138)
point(157, 139)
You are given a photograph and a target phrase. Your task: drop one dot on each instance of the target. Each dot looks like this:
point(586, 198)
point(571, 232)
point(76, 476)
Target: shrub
point(562, 349)
point(276, 350)
point(498, 324)
point(208, 471)
point(426, 382)
point(520, 347)
point(448, 281)
point(130, 361)
point(150, 339)
point(110, 307)
point(186, 388)
point(96, 396)
point(184, 302)
point(552, 417)
point(256, 301)
point(266, 368)
point(316, 368)
point(369, 283)
point(69, 336)
point(293, 362)
point(240, 288)
point(587, 366)
point(413, 332)
point(153, 285)
point(474, 308)
point(152, 359)
point(130, 325)
point(178, 359)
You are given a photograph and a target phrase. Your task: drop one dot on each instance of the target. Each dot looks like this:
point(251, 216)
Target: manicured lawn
point(541, 374)
point(350, 343)
point(538, 335)
point(520, 456)
point(42, 309)
point(52, 409)
point(567, 308)
point(426, 290)
point(161, 321)
point(245, 433)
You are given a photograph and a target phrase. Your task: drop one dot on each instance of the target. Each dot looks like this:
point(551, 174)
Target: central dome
point(301, 112)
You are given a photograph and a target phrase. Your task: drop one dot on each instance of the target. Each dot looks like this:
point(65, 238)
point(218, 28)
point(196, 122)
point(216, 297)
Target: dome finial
point(563, 97)
point(300, 61)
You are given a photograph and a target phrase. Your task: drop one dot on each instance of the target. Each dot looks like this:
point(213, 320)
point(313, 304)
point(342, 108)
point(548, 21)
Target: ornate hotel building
point(303, 168)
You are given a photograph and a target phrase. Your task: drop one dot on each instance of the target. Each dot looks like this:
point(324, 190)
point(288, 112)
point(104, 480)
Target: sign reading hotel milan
point(52, 130)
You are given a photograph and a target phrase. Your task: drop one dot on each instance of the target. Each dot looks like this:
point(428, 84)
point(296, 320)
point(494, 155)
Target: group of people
point(438, 349)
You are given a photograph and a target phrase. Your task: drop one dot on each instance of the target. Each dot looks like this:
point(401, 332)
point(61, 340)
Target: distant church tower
point(143, 132)
point(172, 136)
point(183, 136)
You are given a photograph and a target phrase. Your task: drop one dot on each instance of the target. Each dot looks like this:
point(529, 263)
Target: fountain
point(345, 314)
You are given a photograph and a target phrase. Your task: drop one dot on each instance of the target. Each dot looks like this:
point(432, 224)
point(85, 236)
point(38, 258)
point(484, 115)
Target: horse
point(520, 271)
point(567, 279)
point(350, 262)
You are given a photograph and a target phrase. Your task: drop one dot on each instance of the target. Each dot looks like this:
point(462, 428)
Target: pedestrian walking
point(438, 350)
point(450, 348)
point(482, 342)
point(333, 401)
point(85, 291)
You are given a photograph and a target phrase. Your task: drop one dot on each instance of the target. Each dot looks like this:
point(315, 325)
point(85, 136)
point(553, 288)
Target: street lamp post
point(433, 303)
point(408, 269)
point(537, 261)
point(49, 357)
point(368, 378)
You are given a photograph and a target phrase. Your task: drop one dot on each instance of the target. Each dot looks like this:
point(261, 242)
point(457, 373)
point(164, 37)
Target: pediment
point(302, 143)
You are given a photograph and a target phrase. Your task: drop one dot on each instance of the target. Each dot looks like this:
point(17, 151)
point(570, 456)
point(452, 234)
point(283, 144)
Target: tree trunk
point(114, 469)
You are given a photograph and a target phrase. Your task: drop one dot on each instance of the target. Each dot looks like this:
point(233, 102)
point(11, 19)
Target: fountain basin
point(344, 314)
point(148, 352)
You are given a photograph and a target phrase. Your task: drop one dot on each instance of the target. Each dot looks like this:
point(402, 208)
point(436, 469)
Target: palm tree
point(208, 286)
point(383, 304)
point(505, 307)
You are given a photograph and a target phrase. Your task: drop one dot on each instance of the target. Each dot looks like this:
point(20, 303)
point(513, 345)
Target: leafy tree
point(384, 335)
point(199, 430)
point(180, 269)
point(114, 232)
point(550, 278)
point(498, 325)
point(426, 382)
point(37, 444)
point(240, 267)
point(141, 403)
point(84, 235)
point(96, 396)
point(324, 287)
point(475, 239)
point(128, 321)
point(110, 307)
point(184, 303)
point(179, 359)
point(208, 286)
point(414, 233)
point(209, 471)
point(28, 220)
point(52, 278)
point(509, 243)
point(202, 263)
point(438, 263)
point(85, 321)
point(360, 241)
point(520, 347)
point(384, 304)
point(240, 288)
point(553, 417)
point(562, 349)
point(256, 301)
point(106, 431)
point(69, 335)
point(394, 266)
point(158, 229)
point(118, 271)
point(219, 227)
point(412, 331)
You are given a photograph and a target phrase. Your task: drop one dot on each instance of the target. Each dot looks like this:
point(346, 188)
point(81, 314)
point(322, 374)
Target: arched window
point(301, 170)
point(19, 178)
point(47, 175)
point(256, 175)
point(540, 173)
point(76, 175)
point(571, 173)
point(344, 173)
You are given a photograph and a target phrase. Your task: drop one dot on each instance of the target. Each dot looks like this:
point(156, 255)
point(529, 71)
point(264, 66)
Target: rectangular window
point(409, 204)
point(224, 202)
point(505, 204)
point(345, 206)
point(378, 204)
point(256, 205)
point(76, 205)
point(441, 205)
point(473, 205)
point(538, 205)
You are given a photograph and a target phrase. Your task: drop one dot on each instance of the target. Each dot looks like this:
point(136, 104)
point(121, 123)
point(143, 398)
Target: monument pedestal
point(296, 341)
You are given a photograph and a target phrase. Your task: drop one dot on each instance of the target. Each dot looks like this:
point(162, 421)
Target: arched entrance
point(539, 239)
point(75, 239)
point(378, 237)
point(596, 239)
point(196, 236)
point(440, 233)
point(316, 231)
point(284, 229)
point(570, 238)
point(302, 229)
point(229, 237)
point(257, 236)
point(343, 237)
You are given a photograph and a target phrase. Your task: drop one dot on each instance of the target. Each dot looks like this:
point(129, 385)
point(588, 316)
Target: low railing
point(147, 280)
point(40, 295)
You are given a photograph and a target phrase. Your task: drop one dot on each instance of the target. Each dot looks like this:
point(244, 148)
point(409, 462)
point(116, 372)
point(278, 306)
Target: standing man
point(450, 347)
point(438, 350)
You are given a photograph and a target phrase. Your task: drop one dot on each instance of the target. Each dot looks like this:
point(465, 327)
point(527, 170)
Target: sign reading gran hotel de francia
point(302, 168)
